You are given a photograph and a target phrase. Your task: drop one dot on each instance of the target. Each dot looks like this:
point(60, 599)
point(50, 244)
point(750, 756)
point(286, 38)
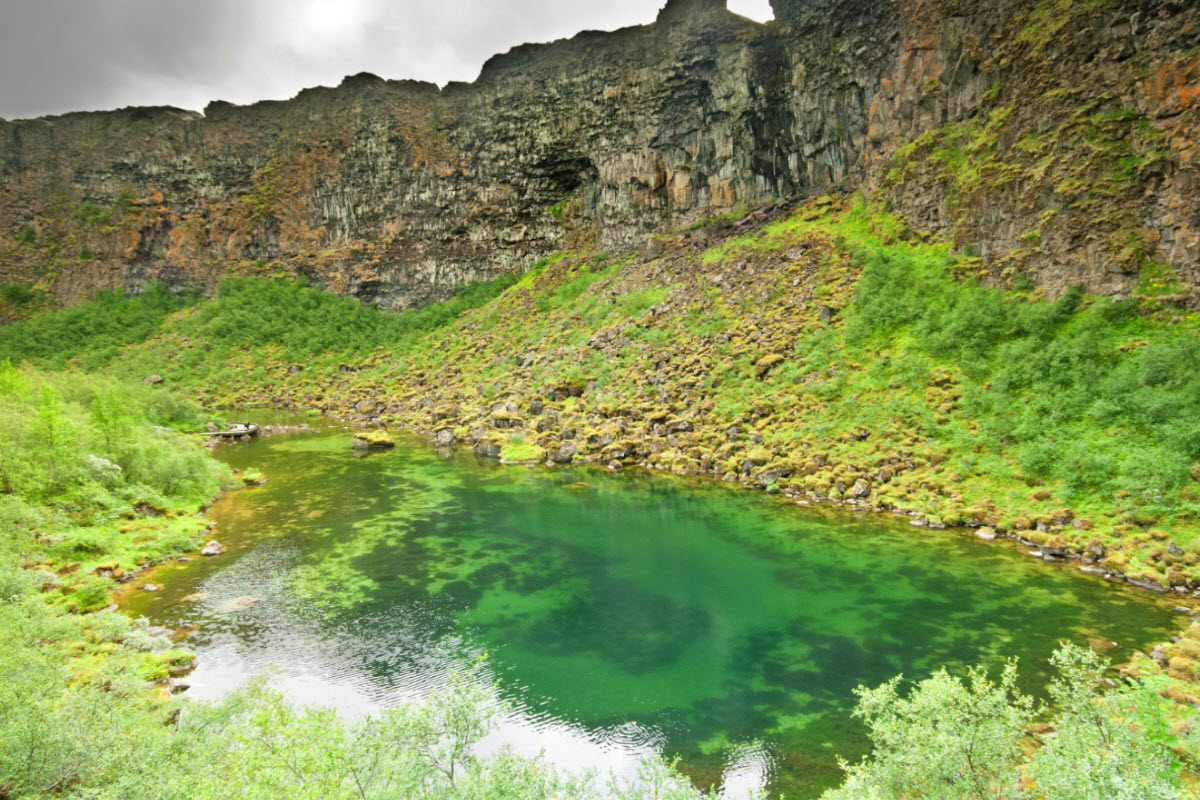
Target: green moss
point(92, 214)
point(376, 439)
point(518, 450)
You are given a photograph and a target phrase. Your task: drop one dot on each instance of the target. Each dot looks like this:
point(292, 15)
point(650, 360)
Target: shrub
point(92, 595)
point(18, 294)
point(93, 332)
point(950, 739)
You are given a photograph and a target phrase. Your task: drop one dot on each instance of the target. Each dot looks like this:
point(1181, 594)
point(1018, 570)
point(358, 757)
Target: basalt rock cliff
point(1056, 139)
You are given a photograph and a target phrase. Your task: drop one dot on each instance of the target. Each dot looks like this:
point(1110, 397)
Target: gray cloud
point(71, 55)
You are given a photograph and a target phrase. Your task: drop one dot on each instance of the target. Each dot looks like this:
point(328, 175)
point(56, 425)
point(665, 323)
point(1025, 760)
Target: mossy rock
point(522, 452)
point(759, 456)
point(764, 365)
point(373, 440)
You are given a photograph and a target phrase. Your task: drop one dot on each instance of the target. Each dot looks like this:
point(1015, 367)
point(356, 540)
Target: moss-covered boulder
point(378, 439)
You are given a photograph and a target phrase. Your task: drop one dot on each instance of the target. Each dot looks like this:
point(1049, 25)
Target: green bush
point(1048, 380)
point(18, 294)
point(92, 214)
point(950, 739)
point(85, 443)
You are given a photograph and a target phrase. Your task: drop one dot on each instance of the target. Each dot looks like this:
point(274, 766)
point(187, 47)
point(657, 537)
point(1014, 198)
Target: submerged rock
point(213, 548)
point(244, 603)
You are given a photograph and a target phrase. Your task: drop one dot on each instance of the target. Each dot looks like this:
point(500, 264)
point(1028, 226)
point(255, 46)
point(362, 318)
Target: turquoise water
point(621, 613)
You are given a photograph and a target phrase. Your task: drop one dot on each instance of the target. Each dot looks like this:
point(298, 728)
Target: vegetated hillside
point(1057, 139)
point(829, 355)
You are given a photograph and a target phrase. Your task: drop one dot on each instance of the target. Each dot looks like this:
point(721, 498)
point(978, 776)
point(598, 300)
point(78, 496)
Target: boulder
point(1056, 546)
point(444, 438)
point(765, 365)
point(565, 453)
point(759, 456)
point(373, 440)
point(860, 489)
point(487, 448)
point(986, 534)
point(503, 420)
point(110, 570)
point(154, 380)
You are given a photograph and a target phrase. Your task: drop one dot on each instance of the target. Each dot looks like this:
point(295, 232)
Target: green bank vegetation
point(90, 336)
point(94, 479)
point(952, 738)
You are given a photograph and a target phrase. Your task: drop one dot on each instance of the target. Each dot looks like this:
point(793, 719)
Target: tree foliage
point(955, 739)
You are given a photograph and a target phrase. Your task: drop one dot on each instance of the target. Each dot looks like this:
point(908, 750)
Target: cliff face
point(1057, 138)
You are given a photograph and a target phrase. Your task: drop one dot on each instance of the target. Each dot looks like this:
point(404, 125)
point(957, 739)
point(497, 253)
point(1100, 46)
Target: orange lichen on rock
point(1174, 87)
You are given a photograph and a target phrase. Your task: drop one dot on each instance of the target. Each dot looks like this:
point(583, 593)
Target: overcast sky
point(76, 55)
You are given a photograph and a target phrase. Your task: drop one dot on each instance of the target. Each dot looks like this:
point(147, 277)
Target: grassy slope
point(831, 353)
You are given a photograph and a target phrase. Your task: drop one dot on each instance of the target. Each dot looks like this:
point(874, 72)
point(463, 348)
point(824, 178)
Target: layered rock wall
point(1056, 139)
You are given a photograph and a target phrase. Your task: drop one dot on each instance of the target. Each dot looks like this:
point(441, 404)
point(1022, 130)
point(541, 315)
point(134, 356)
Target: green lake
point(622, 613)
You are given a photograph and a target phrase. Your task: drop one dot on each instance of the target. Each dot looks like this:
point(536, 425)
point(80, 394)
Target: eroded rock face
point(396, 192)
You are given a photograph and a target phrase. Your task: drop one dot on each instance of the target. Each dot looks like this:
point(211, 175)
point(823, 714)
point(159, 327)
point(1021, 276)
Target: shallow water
point(621, 613)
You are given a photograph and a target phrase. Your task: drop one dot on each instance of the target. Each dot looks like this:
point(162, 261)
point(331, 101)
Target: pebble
point(213, 548)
